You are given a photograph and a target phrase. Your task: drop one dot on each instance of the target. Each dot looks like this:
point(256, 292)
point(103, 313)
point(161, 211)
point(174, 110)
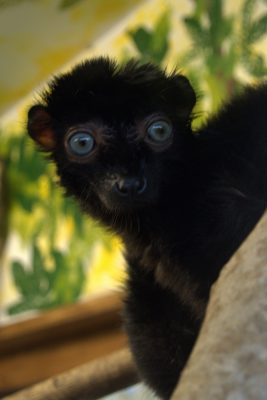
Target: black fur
point(205, 192)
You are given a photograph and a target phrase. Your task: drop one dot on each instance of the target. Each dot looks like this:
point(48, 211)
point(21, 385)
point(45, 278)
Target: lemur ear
point(182, 94)
point(40, 127)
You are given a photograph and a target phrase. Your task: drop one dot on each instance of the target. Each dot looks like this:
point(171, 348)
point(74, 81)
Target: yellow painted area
point(43, 187)
point(106, 269)
point(64, 233)
point(59, 56)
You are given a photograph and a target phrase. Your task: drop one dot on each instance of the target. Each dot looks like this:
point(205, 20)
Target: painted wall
point(48, 241)
point(38, 36)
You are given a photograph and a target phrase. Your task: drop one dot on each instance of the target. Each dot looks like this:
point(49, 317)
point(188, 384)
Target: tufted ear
point(182, 94)
point(40, 127)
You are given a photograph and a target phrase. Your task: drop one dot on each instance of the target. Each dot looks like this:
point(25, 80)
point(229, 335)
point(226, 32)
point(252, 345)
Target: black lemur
point(181, 201)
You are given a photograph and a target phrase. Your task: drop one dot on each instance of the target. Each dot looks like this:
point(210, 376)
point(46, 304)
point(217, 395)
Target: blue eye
point(159, 131)
point(81, 143)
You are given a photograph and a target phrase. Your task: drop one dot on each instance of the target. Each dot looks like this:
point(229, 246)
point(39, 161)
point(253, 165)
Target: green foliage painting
point(61, 241)
point(152, 45)
point(41, 288)
point(220, 44)
point(36, 209)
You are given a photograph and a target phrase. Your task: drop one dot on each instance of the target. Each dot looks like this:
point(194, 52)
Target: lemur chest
point(171, 275)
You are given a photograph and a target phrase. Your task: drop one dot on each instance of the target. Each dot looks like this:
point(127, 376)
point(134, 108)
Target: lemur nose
point(130, 186)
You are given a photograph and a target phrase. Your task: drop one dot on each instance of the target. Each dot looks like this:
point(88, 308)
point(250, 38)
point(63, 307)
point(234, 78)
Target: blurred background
point(52, 257)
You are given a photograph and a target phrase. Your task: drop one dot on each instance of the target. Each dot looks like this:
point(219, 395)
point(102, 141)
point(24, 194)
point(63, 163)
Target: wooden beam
point(63, 322)
point(87, 382)
point(60, 339)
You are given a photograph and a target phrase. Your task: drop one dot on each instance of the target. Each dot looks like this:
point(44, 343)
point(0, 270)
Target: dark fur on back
point(203, 192)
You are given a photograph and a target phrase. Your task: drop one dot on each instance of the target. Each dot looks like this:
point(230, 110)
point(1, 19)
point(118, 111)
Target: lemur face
point(113, 132)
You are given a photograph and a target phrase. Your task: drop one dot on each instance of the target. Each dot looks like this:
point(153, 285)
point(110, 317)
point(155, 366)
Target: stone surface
point(229, 361)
